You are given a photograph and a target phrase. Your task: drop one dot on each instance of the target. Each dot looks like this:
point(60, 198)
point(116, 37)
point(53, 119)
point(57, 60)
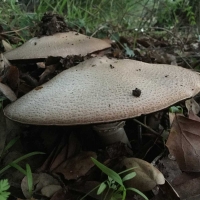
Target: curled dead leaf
point(183, 143)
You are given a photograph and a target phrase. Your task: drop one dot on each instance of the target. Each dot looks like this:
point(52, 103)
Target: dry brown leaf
point(11, 77)
point(77, 166)
point(39, 181)
point(167, 192)
point(192, 105)
point(50, 190)
point(189, 186)
point(183, 143)
point(62, 195)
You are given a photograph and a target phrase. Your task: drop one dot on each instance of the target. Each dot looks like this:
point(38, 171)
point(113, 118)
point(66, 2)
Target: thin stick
point(147, 127)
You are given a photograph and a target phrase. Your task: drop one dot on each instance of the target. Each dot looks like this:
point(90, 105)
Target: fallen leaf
point(63, 194)
point(39, 181)
point(190, 187)
point(192, 105)
point(50, 190)
point(77, 166)
point(167, 192)
point(183, 143)
point(10, 77)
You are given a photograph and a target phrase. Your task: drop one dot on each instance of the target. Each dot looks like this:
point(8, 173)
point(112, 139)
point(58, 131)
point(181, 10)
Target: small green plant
point(114, 184)
point(4, 186)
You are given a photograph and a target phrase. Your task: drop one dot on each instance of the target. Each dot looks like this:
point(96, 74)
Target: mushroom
point(147, 176)
point(57, 45)
point(99, 90)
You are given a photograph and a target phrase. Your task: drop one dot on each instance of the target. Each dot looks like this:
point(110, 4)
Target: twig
point(14, 30)
point(147, 127)
point(101, 27)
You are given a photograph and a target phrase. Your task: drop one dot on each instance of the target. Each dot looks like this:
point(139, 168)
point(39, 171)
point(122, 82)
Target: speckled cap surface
point(59, 44)
point(100, 90)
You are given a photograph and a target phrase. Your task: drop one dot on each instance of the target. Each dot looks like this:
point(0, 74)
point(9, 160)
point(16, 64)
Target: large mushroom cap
point(100, 90)
point(59, 44)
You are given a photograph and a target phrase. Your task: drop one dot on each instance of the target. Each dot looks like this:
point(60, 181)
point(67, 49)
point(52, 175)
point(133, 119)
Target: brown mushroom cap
point(100, 90)
point(59, 44)
point(147, 176)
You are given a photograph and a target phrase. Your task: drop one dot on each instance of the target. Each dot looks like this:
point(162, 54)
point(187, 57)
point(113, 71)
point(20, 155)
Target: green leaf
point(138, 192)
point(176, 109)
point(4, 186)
point(116, 196)
point(108, 171)
point(102, 187)
point(129, 176)
point(128, 52)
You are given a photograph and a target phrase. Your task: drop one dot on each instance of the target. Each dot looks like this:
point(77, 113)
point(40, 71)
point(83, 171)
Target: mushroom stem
point(112, 132)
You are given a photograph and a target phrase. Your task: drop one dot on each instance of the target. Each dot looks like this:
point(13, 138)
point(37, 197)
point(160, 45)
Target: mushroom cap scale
point(57, 45)
point(95, 92)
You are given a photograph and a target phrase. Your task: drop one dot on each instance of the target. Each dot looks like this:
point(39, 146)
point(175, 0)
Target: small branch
point(147, 127)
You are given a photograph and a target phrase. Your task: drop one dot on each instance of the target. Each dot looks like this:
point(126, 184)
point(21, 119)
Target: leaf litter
point(183, 138)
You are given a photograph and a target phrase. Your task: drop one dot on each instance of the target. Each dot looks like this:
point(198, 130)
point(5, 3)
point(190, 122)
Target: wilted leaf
point(183, 143)
point(50, 190)
point(11, 77)
point(39, 181)
point(62, 195)
point(192, 105)
point(6, 45)
point(190, 187)
point(167, 192)
point(77, 166)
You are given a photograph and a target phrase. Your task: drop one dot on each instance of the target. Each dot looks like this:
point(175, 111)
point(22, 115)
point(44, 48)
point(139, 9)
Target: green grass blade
point(129, 169)
point(29, 179)
point(108, 171)
point(138, 192)
point(19, 168)
point(20, 159)
point(10, 144)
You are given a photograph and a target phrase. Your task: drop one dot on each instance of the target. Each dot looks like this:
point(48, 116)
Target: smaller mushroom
point(147, 176)
point(57, 45)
